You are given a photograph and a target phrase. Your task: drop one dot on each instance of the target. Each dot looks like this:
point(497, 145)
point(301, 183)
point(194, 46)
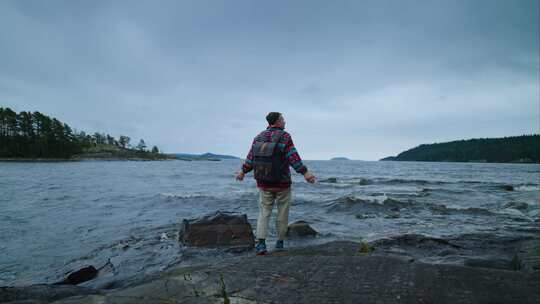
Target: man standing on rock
point(271, 154)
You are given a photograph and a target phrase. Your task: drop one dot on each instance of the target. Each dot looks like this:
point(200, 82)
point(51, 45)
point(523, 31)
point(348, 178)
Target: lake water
point(56, 217)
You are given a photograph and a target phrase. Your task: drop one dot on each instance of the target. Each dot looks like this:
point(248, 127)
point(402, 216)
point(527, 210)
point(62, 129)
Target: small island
point(339, 158)
point(514, 149)
point(205, 156)
point(33, 136)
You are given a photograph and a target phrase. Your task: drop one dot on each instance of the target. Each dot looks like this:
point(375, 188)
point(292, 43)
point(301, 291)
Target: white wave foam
point(183, 195)
point(527, 188)
point(511, 211)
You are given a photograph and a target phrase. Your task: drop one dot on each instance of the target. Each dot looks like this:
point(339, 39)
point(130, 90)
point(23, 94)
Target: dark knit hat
point(272, 117)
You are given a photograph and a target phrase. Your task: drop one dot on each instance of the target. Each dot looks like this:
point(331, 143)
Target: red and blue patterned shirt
point(286, 144)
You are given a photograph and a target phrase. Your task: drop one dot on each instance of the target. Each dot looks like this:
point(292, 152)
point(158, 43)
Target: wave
point(184, 195)
point(452, 191)
point(362, 181)
point(65, 197)
point(384, 205)
point(348, 182)
point(444, 210)
point(395, 181)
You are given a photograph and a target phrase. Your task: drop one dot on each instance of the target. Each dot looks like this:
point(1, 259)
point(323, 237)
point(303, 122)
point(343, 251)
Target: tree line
point(36, 135)
point(525, 148)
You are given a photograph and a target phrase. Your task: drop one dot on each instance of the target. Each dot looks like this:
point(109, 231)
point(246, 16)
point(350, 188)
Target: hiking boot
point(260, 248)
point(279, 245)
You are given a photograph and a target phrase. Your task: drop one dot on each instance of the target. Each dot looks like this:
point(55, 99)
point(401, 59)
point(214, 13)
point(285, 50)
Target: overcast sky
point(361, 79)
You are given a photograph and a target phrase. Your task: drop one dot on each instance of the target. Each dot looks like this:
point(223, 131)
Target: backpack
point(269, 161)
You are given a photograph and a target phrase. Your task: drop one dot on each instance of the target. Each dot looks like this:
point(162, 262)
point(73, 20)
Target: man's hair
point(272, 117)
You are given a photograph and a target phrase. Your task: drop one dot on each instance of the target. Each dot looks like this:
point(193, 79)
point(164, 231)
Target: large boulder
point(300, 229)
point(220, 229)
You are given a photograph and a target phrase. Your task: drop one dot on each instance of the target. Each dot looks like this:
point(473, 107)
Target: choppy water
point(55, 217)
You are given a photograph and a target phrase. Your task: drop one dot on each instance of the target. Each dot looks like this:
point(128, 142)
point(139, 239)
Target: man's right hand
point(240, 176)
point(310, 178)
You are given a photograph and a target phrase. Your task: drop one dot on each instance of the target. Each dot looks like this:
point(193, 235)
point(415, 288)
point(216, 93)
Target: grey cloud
point(370, 78)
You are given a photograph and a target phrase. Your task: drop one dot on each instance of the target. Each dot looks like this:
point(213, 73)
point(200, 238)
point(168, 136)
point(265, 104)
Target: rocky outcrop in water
point(365, 208)
point(507, 187)
point(300, 229)
point(220, 229)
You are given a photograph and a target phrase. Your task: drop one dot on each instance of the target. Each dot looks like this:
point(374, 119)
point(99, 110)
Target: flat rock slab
point(316, 275)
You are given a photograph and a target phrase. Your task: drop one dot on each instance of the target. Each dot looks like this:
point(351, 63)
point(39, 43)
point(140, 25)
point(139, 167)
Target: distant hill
point(339, 158)
point(514, 149)
point(220, 156)
point(205, 156)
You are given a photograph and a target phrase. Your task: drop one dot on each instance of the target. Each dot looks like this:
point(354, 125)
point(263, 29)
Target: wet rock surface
point(82, 275)
point(414, 240)
point(337, 272)
point(220, 229)
point(300, 229)
point(528, 256)
point(473, 250)
point(331, 273)
point(42, 293)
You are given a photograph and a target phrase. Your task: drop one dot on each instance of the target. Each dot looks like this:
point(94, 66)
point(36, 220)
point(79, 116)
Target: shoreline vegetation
point(514, 149)
point(36, 137)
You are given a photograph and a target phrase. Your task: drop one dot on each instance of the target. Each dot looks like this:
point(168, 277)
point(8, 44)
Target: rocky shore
point(406, 269)
point(336, 272)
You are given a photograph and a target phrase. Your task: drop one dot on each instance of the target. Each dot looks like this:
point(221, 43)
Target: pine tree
point(124, 141)
point(141, 146)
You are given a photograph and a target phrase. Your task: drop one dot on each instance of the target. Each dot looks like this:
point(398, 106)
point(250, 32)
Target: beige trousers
point(266, 203)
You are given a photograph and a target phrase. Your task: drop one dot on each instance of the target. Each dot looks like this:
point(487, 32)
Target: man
point(271, 154)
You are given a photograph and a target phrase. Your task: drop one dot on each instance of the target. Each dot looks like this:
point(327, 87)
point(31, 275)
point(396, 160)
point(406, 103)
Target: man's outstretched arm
point(295, 161)
point(247, 165)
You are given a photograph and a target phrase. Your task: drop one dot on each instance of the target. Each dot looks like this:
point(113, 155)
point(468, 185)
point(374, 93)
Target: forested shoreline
point(34, 135)
point(512, 149)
